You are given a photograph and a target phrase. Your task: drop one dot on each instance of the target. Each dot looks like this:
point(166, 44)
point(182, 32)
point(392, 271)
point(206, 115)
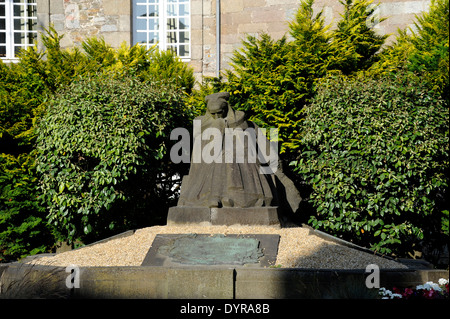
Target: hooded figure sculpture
point(219, 175)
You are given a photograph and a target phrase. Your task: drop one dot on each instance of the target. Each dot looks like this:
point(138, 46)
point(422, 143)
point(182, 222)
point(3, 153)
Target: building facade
point(204, 33)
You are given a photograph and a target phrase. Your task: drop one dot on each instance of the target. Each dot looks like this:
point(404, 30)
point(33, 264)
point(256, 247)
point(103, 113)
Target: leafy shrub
point(23, 228)
point(26, 88)
point(376, 157)
point(102, 152)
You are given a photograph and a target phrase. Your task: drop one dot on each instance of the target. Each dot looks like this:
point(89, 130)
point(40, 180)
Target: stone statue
point(233, 169)
point(224, 183)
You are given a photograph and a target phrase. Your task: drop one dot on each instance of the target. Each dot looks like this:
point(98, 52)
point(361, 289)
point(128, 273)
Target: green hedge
point(375, 154)
point(103, 155)
point(26, 89)
point(23, 225)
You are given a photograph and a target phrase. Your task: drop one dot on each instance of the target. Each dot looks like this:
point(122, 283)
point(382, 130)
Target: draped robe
point(225, 183)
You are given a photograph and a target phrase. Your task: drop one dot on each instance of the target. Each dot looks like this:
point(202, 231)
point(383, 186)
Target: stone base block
point(181, 215)
point(188, 215)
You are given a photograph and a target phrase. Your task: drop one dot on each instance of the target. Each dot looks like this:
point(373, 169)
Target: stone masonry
point(112, 20)
point(82, 19)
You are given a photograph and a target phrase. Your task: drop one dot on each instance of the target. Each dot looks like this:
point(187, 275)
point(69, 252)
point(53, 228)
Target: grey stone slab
point(155, 283)
point(182, 215)
point(165, 250)
point(245, 216)
point(188, 215)
point(200, 283)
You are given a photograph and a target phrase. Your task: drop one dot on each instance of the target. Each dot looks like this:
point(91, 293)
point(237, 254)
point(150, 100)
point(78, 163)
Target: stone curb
point(200, 282)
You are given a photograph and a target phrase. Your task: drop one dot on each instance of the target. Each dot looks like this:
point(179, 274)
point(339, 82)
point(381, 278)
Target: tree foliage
point(422, 49)
point(356, 35)
point(430, 41)
point(371, 147)
point(102, 155)
point(375, 154)
point(273, 79)
point(23, 227)
point(27, 88)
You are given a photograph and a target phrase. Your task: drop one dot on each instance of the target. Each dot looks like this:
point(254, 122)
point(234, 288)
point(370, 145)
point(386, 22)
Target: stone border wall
point(203, 283)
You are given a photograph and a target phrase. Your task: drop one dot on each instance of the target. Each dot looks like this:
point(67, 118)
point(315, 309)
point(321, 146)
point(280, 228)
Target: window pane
point(153, 24)
point(2, 24)
point(141, 24)
point(153, 37)
point(184, 9)
point(31, 37)
point(172, 24)
point(184, 37)
point(19, 24)
point(172, 48)
point(140, 11)
point(32, 24)
point(2, 37)
point(2, 10)
point(18, 11)
point(184, 51)
point(172, 37)
point(184, 24)
point(2, 51)
point(17, 50)
point(19, 38)
point(140, 37)
point(171, 10)
point(31, 11)
point(153, 11)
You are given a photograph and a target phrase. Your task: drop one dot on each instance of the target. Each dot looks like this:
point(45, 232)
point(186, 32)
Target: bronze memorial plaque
point(247, 250)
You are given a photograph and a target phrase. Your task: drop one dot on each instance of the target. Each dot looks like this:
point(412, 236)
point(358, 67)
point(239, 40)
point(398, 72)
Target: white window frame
point(10, 46)
point(162, 30)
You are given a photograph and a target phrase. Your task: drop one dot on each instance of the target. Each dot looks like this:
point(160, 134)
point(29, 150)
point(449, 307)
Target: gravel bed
point(297, 249)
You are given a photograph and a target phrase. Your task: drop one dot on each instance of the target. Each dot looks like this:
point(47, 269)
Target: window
point(163, 22)
point(17, 26)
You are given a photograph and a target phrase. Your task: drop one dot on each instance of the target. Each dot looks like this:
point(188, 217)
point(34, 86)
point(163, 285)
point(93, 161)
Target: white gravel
point(297, 249)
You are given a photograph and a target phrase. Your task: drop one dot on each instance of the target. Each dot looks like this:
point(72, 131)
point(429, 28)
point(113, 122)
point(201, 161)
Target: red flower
point(429, 294)
point(408, 293)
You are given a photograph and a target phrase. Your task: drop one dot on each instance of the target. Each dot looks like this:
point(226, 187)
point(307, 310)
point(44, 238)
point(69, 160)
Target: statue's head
point(217, 104)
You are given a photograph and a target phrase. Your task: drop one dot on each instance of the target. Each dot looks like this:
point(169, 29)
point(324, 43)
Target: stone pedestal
point(182, 215)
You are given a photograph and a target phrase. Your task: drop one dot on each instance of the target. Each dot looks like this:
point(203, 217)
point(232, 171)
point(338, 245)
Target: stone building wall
point(81, 19)
point(240, 17)
point(112, 20)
